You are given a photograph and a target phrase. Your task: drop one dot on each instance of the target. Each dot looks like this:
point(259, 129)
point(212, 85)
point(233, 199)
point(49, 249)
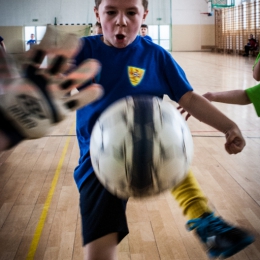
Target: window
point(160, 35)
point(38, 32)
point(28, 30)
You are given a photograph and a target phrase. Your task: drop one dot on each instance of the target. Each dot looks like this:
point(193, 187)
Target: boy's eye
point(111, 12)
point(131, 13)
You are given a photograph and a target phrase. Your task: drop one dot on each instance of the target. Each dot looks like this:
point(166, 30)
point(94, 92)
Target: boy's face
point(121, 21)
point(143, 31)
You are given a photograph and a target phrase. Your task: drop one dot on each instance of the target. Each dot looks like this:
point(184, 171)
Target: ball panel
point(142, 152)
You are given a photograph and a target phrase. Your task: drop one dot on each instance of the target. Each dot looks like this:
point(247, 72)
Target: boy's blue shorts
point(101, 212)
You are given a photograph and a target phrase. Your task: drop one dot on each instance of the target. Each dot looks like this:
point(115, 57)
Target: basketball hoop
point(221, 3)
point(209, 14)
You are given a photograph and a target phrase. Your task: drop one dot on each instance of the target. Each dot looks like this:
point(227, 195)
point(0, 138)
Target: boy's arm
point(203, 110)
point(238, 97)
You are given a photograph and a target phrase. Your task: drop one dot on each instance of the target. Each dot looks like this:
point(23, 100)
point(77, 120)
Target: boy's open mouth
point(120, 36)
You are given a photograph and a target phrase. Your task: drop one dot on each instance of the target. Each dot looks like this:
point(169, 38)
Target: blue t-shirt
point(31, 42)
point(141, 68)
point(147, 37)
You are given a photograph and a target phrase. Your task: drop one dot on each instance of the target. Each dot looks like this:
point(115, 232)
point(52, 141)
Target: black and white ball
point(140, 146)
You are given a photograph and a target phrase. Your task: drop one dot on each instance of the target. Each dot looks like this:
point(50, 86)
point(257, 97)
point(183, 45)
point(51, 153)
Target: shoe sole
point(243, 244)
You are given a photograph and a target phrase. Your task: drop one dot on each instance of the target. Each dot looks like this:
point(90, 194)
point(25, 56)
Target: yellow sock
point(190, 197)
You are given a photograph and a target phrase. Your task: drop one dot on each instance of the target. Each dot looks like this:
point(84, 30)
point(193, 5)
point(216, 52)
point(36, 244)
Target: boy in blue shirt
point(32, 41)
point(144, 32)
point(97, 28)
point(133, 66)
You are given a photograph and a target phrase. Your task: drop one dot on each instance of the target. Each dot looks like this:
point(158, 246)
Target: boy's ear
point(97, 14)
point(145, 14)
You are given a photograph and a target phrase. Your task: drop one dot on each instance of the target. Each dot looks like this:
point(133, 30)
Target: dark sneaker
point(221, 239)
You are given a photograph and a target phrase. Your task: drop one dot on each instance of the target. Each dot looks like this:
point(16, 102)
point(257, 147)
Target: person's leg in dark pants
point(247, 49)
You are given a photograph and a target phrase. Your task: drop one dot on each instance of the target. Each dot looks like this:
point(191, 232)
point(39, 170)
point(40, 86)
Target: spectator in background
point(144, 32)
point(251, 45)
point(32, 41)
point(2, 44)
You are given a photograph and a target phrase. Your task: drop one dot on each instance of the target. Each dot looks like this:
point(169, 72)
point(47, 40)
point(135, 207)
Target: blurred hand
point(34, 99)
point(182, 111)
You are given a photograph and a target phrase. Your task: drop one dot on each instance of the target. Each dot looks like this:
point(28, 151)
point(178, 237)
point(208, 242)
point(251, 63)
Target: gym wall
point(190, 31)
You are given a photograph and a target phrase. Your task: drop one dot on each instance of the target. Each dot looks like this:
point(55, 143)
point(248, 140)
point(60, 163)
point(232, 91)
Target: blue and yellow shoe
point(221, 239)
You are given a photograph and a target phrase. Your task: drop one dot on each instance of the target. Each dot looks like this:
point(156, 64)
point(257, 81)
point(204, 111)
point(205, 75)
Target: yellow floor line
point(47, 203)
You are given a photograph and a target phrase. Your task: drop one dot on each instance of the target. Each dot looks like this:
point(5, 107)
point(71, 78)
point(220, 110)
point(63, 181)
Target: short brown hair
point(145, 3)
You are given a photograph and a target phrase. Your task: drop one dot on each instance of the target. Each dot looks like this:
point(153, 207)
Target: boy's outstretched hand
point(34, 99)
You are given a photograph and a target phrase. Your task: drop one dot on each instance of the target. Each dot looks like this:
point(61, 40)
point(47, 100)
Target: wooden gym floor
point(39, 213)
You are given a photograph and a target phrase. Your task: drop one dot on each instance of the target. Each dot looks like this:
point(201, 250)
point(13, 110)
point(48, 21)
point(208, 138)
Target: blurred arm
point(238, 97)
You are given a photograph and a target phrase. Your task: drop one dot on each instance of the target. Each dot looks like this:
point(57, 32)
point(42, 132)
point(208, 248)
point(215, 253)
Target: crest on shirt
point(135, 75)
